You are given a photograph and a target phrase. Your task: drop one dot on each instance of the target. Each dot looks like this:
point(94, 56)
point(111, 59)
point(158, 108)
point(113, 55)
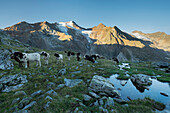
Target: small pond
point(154, 90)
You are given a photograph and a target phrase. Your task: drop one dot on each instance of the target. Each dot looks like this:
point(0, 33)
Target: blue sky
point(128, 15)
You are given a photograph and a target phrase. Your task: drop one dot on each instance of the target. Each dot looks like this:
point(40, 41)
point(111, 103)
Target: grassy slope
point(43, 75)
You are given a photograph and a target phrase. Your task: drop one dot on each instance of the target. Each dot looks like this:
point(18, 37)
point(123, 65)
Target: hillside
point(107, 41)
point(160, 39)
point(45, 89)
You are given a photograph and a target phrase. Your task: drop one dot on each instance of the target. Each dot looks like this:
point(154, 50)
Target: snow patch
point(139, 36)
point(87, 33)
point(62, 27)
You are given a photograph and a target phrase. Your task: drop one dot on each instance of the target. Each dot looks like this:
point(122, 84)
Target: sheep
point(15, 56)
point(89, 58)
point(59, 57)
point(27, 57)
point(78, 56)
point(46, 56)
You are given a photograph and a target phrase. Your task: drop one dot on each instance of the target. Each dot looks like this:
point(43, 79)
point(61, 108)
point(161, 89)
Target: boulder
point(140, 81)
point(109, 102)
point(36, 93)
point(86, 97)
point(72, 83)
point(30, 105)
point(5, 63)
point(59, 86)
point(101, 85)
point(24, 102)
point(20, 93)
point(12, 82)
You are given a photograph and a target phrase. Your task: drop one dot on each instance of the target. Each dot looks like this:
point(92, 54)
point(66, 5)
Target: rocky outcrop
point(12, 82)
point(5, 63)
point(72, 83)
point(141, 81)
point(102, 86)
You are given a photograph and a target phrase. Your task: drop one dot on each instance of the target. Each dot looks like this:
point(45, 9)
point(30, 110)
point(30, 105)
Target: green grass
point(41, 76)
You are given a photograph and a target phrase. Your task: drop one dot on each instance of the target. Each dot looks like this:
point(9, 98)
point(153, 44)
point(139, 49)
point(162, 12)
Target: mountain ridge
point(100, 39)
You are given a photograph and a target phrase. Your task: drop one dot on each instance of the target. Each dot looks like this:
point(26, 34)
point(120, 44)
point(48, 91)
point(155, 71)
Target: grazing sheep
point(78, 56)
point(15, 56)
point(68, 54)
point(59, 57)
point(27, 57)
point(115, 59)
point(46, 56)
point(89, 58)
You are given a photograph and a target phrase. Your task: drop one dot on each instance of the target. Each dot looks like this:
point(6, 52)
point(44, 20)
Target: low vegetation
point(66, 101)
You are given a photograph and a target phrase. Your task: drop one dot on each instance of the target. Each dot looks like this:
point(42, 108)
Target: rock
point(129, 98)
point(121, 57)
point(140, 81)
point(24, 102)
point(103, 110)
point(20, 93)
point(100, 84)
point(5, 62)
point(48, 98)
point(101, 102)
point(22, 111)
point(59, 86)
point(76, 99)
point(12, 82)
point(51, 92)
point(72, 83)
point(86, 97)
point(30, 105)
point(47, 105)
point(67, 96)
point(94, 94)
point(123, 82)
point(159, 106)
point(161, 64)
point(50, 85)
point(75, 72)
point(15, 101)
point(62, 71)
point(109, 102)
point(125, 105)
point(96, 103)
point(164, 94)
point(124, 65)
point(81, 104)
point(36, 93)
point(120, 101)
point(76, 110)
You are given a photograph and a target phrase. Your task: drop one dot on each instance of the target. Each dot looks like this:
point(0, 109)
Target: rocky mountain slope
point(107, 41)
point(70, 86)
point(160, 39)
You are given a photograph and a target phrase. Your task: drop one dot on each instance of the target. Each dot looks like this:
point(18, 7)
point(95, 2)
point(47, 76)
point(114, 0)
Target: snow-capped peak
point(139, 36)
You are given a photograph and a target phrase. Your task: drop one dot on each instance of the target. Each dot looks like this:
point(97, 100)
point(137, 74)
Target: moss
point(164, 79)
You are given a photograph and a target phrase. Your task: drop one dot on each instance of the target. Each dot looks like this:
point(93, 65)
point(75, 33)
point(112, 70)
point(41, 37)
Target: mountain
point(106, 41)
point(159, 39)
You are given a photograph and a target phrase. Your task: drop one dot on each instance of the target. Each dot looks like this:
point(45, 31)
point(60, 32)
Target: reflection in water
point(154, 90)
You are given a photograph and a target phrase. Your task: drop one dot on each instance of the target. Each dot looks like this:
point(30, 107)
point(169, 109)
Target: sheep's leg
point(69, 58)
point(39, 63)
point(25, 64)
point(47, 62)
point(28, 63)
